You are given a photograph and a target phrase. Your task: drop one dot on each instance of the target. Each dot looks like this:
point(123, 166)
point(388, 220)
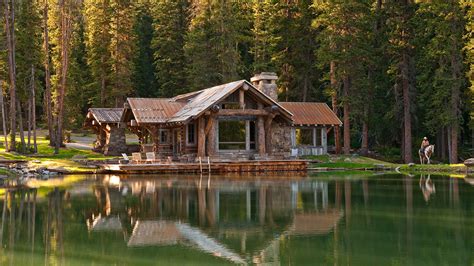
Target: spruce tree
point(170, 24)
point(98, 39)
point(143, 77)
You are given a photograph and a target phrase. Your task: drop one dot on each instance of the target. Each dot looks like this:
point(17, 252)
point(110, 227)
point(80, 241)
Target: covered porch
point(311, 123)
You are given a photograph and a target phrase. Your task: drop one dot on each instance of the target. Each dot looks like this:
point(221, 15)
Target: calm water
point(111, 220)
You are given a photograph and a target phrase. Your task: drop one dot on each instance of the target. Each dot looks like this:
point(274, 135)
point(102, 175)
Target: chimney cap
point(265, 76)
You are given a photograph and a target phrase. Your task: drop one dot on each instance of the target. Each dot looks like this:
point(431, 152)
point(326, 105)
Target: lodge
point(240, 120)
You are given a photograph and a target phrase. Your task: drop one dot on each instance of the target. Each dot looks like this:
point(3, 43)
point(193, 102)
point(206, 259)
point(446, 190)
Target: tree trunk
point(28, 120)
point(20, 126)
point(407, 143)
point(9, 25)
point(64, 48)
point(443, 144)
point(102, 90)
point(347, 127)
point(47, 77)
point(33, 110)
point(335, 109)
point(365, 138)
point(455, 95)
point(4, 119)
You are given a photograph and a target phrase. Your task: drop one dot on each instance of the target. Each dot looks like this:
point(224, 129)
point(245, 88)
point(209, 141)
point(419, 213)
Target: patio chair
point(151, 157)
point(136, 157)
point(125, 159)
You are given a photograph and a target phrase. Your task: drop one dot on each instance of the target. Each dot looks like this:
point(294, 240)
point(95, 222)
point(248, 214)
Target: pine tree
point(265, 19)
point(170, 24)
point(345, 28)
point(80, 94)
point(441, 64)
point(28, 54)
point(9, 16)
point(469, 48)
point(98, 39)
point(121, 49)
point(213, 42)
point(144, 81)
point(401, 49)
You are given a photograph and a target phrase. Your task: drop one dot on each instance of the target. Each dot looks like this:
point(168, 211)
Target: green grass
point(443, 169)
point(349, 162)
point(345, 161)
point(46, 157)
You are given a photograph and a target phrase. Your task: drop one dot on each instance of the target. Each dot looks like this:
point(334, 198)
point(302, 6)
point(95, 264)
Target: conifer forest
point(394, 71)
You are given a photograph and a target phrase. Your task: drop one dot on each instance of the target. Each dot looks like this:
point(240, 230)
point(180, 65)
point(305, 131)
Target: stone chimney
point(266, 83)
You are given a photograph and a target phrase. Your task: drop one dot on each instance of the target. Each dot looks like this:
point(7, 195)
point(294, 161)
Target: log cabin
point(240, 120)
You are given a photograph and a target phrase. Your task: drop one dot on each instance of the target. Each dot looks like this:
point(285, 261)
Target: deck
point(213, 167)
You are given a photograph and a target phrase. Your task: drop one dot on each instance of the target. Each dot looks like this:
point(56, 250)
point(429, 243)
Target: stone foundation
point(115, 142)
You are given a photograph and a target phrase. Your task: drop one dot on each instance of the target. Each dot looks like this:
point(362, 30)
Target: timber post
point(201, 148)
point(210, 132)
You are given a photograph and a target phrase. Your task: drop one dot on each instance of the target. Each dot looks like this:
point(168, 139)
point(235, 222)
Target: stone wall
point(116, 141)
point(281, 141)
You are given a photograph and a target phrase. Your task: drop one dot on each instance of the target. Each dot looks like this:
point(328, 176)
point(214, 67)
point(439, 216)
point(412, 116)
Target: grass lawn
point(359, 162)
point(345, 161)
point(46, 157)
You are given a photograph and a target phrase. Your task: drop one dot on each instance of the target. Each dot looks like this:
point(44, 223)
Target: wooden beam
point(201, 149)
point(210, 122)
point(237, 112)
point(242, 99)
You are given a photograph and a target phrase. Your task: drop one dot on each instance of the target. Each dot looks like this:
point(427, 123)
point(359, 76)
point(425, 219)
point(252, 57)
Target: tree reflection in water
point(110, 220)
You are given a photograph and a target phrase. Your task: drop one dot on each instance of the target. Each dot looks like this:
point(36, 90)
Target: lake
point(191, 220)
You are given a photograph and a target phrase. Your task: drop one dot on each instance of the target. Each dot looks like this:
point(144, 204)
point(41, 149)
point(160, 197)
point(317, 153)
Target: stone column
point(115, 143)
point(261, 135)
point(268, 134)
point(324, 140)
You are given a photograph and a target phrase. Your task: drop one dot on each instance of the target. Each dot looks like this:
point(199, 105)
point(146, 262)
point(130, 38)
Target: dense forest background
point(393, 70)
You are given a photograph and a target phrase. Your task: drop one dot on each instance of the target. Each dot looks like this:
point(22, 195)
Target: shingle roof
point(206, 98)
point(106, 115)
point(310, 113)
point(153, 110)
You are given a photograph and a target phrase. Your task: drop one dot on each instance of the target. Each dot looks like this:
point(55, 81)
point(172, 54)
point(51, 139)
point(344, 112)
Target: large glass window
point(304, 136)
point(232, 135)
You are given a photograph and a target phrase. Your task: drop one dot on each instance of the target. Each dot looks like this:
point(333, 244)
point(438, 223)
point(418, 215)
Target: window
point(304, 136)
point(191, 133)
point(252, 135)
point(232, 135)
point(164, 136)
point(318, 137)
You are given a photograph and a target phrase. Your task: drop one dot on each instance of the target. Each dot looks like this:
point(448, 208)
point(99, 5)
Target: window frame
point(194, 142)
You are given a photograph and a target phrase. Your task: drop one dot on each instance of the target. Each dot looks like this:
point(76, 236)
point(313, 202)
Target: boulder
point(469, 162)
point(411, 164)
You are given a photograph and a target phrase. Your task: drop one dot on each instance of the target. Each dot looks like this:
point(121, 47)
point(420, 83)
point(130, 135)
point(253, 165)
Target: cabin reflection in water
point(155, 220)
point(219, 217)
